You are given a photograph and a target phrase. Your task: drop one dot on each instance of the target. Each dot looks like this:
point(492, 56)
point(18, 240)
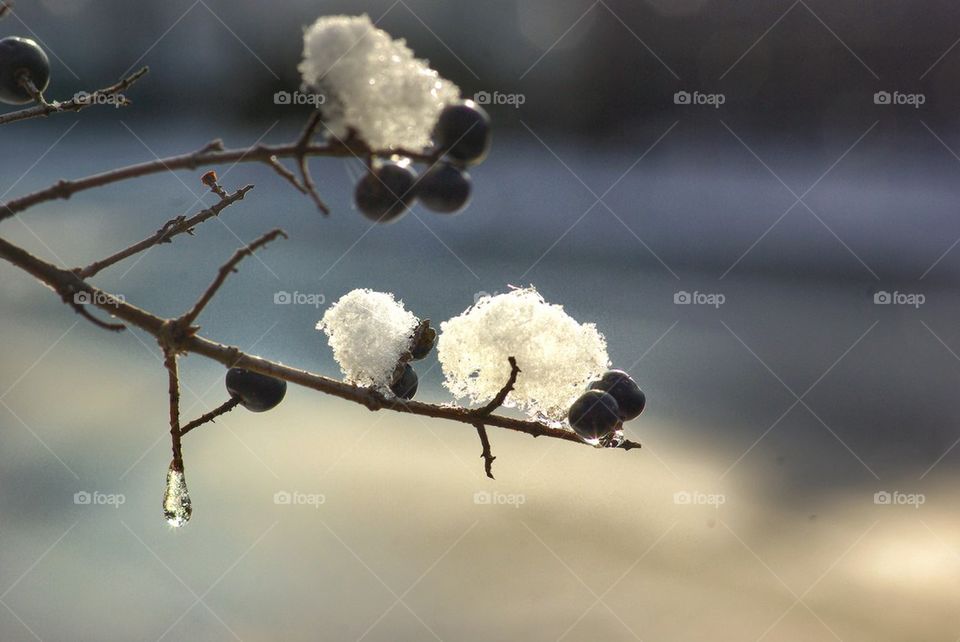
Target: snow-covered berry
point(463, 132)
point(557, 355)
point(405, 386)
point(256, 392)
point(594, 416)
point(372, 84)
point(19, 56)
point(624, 389)
point(384, 194)
point(368, 332)
point(444, 188)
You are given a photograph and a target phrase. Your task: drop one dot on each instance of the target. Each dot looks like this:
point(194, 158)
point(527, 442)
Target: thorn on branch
point(230, 266)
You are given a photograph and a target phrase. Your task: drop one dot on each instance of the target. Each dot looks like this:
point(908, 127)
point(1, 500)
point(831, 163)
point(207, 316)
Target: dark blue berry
point(444, 188)
point(424, 339)
point(19, 56)
point(625, 390)
point(594, 415)
point(386, 193)
point(405, 386)
point(463, 132)
point(255, 391)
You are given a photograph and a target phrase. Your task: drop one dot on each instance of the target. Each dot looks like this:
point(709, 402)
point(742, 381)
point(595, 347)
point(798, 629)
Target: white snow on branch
point(372, 83)
point(368, 332)
point(557, 355)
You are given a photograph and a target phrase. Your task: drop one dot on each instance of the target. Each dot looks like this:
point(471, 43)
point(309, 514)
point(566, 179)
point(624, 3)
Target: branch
point(82, 100)
point(487, 410)
point(170, 229)
point(62, 280)
point(223, 408)
point(6, 6)
point(230, 266)
point(211, 154)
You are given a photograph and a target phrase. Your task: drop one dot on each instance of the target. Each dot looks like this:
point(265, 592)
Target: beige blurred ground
point(400, 550)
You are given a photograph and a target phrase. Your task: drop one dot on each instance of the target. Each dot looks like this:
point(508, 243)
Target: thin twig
point(501, 396)
point(80, 101)
point(230, 266)
point(223, 408)
point(62, 280)
point(488, 456)
point(285, 174)
point(170, 363)
point(211, 154)
point(303, 144)
point(170, 229)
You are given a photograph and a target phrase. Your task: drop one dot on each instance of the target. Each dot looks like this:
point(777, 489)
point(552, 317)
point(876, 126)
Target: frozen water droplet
point(177, 507)
point(613, 440)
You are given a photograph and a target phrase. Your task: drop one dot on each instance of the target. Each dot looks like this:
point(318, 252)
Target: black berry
point(424, 339)
point(405, 386)
point(463, 132)
point(19, 56)
point(594, 415)
point(386, 192)
point(625, 390)
point(444, 188)
point(255, 391)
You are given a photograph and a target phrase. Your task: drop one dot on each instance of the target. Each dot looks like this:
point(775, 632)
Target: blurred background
point(754, 201)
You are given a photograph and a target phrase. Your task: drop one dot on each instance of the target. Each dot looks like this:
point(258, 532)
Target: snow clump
point(372, 83)
point(557, 355)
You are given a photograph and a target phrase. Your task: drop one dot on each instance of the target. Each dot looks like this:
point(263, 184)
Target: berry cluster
point(22, 60)
point(256, 392)
point(461, 138)
point(597, 416)
point(405, 379)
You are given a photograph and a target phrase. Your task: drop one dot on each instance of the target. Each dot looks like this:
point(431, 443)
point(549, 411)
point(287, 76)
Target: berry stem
point(222, 409)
